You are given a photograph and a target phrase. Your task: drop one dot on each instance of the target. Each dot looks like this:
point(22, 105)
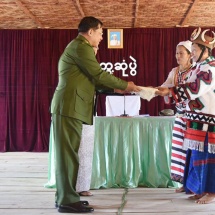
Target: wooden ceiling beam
point(136, 13)
point(28, 13)
point(79, 8)
point(189, 12)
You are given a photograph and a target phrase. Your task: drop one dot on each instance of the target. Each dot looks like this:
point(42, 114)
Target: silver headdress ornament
point(195, 34)
point(206, 41)
point(201, 38)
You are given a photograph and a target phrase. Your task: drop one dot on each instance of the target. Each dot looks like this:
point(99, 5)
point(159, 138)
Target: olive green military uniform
point(72, 105)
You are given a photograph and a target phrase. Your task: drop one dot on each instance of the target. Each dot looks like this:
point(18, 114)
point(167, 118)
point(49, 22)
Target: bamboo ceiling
point(66, 14)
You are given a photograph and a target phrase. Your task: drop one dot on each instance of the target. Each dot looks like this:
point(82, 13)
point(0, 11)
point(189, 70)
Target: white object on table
point(115, 105)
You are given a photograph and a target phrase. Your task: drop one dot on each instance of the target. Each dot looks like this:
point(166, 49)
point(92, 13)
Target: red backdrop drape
point(28, 76)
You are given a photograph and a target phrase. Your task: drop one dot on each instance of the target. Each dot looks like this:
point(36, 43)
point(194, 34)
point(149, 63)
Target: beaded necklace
point(181, 76)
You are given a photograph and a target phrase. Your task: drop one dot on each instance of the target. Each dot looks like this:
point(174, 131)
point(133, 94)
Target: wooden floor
point(22, 176)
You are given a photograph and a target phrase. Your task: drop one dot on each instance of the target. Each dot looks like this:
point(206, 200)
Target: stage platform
point(23, 174)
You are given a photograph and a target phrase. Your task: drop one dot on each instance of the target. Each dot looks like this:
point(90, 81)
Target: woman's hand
point(162, 91)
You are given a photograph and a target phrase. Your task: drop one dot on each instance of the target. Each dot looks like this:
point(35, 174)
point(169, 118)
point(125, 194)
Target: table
point(128, 152)
point(132, 152)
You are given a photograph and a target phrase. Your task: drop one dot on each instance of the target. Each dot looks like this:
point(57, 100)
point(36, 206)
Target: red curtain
point(28, 76)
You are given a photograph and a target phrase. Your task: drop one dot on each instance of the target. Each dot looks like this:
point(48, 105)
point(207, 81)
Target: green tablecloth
point(128, 152)
point(132, 152)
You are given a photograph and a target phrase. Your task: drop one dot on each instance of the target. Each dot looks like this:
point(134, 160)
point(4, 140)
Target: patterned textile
point(199, 93)
point(85, 153)
point(196, 133)
point(194, 139)
point(178, 156)
point(198, 117)
point(199, 136)
point(200, 178)
point(186, 170)
point(175, 78)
